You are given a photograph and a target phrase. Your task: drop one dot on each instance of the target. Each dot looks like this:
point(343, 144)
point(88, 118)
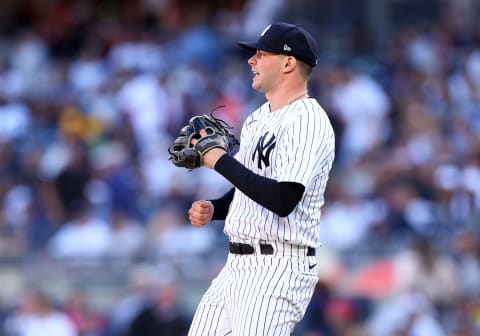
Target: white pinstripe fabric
point(303, 153)
point(256, 295)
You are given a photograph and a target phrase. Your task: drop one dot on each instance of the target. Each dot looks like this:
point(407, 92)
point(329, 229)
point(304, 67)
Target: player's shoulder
point(310, 113)
point(311, 110)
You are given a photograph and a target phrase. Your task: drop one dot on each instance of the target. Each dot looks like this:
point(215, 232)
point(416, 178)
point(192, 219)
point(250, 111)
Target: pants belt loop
point(256, 246)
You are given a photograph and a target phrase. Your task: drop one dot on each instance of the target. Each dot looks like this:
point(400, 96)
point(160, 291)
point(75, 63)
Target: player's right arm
point(203, 212)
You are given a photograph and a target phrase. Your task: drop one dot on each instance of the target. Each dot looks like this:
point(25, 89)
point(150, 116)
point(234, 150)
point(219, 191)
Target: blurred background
point(94, 235)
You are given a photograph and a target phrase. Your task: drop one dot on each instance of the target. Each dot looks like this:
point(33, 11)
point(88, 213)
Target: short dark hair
point(304, 69)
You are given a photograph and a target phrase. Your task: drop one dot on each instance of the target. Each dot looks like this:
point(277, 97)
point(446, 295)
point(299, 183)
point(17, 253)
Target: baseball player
point(272, 215)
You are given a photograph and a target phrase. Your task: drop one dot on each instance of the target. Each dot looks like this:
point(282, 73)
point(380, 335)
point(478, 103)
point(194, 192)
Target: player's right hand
point(200, 213)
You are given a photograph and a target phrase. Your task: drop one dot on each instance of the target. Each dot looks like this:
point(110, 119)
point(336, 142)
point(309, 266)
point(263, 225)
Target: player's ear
point(290, 63)
point(287, 61)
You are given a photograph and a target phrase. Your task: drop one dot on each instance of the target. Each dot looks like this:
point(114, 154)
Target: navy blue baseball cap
point(286, 39)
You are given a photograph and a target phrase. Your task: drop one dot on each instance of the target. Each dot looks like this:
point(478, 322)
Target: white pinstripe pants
point(256, 295)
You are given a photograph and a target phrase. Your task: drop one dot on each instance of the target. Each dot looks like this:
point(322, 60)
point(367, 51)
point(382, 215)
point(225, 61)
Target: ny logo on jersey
point(264, 149)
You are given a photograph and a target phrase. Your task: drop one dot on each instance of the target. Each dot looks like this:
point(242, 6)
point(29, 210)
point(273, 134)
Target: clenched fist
point(200, 213)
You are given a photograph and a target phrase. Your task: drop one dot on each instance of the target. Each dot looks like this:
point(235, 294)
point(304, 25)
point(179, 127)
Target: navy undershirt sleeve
point(221, 205)
point(278, 197)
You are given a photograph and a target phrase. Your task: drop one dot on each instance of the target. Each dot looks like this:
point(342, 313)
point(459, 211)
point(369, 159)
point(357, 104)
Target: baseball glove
point(186, 154)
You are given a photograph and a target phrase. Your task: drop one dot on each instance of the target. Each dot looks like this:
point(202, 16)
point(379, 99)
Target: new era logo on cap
point(288, 39)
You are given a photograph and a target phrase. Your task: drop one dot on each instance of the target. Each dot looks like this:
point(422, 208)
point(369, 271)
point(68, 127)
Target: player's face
point(266, 68)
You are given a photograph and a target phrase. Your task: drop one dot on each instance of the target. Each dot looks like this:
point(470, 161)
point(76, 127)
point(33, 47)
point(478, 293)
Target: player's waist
point(270, 248)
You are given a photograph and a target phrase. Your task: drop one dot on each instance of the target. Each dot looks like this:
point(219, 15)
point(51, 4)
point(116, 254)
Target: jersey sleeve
point(303, 147)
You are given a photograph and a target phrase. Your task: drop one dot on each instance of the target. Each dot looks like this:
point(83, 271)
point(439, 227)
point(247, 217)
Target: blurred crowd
point(92, 93)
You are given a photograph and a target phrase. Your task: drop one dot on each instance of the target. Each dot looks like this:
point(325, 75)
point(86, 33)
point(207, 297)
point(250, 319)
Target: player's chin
point(256, 86)
point(255, 83)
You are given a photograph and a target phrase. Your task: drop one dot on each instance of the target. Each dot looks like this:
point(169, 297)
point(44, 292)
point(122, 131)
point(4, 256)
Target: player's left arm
point(278, 197)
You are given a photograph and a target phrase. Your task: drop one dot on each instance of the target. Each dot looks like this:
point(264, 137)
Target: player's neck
point(280, 99)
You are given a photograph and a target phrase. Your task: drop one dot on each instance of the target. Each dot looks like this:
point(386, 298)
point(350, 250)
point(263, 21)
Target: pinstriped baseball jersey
point(293, 144)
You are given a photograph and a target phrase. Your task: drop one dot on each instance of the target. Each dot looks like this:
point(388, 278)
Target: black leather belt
point(240, 248)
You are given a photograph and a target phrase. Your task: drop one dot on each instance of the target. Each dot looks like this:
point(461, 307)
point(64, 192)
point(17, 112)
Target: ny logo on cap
point(265, 30)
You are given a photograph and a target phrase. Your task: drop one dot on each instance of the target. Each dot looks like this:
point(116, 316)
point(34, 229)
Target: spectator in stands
point(37, 316)
point(85, 236)
point(428, 271)
point(161, 315)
